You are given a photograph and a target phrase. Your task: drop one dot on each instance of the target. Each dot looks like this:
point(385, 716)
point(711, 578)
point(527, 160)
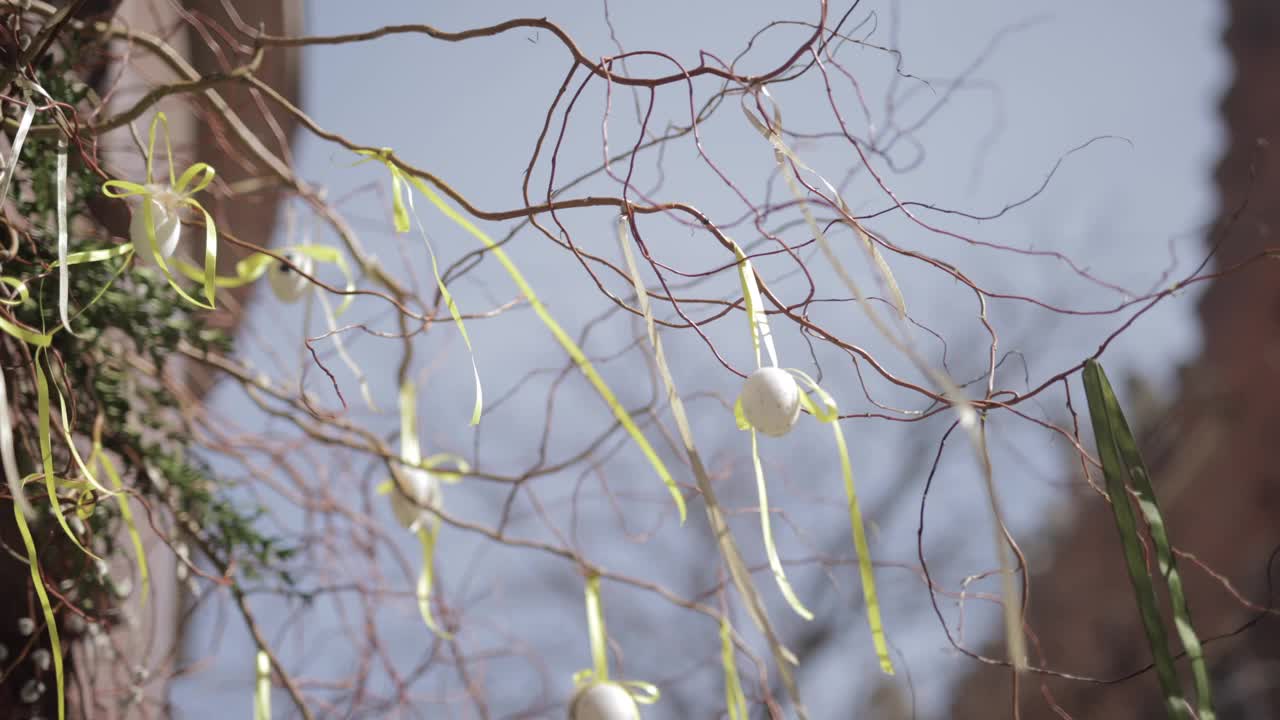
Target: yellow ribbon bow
point(178, 193)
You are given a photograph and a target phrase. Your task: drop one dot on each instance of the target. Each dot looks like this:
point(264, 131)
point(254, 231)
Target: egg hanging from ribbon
point(423, 492)
point(771, 401)
point(289, 284)
point(164, 218)
point(604, 701)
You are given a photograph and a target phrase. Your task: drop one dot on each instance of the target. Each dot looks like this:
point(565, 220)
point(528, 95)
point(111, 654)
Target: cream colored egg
point(424, 492)
point(771, 401)
point(604, 701)
point(288, 284)
point(168, 228)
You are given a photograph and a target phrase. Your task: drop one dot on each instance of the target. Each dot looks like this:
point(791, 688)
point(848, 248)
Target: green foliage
point(223, 522)
point(117, 308)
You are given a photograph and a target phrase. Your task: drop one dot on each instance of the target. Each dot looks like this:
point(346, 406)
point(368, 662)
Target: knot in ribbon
point(642, 692)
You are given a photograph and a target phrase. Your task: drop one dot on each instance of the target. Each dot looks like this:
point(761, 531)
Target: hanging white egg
point(604, 701)
point(423, 492)
point(288, 284)
point(771, 401)
point(164, 218)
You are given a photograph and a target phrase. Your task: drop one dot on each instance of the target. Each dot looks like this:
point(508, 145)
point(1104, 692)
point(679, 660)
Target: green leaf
point(1124, 468)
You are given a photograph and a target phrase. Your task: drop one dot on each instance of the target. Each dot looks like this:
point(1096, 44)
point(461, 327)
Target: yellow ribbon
point(194, 179)
point(411, 455)
point(256, 265)
point(262, 693)
point(27, 335)
point(400, 217)
point(642, 692)
point(130, 524)
point(828, 413)
point(33, 562)
point(45, 339)
point(427, 533)
point(46, 451)
point(426, 536)
point(824, 413)
point(598, 674)
point(756, 317)
point(575, 353)
point(758, 324)
point(734, 699)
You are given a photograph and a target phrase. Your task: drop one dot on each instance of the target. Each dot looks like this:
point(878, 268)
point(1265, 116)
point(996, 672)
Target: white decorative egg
point(287, 283)
point(164, 218)
point(424, 492)
point(771, 401)
point(604, 701)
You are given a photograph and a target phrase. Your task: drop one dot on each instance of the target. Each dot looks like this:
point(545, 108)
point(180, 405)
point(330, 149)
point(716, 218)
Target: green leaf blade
point(1117, 450)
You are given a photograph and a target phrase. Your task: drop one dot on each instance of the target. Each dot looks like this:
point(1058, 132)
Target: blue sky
point(1051, 77)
